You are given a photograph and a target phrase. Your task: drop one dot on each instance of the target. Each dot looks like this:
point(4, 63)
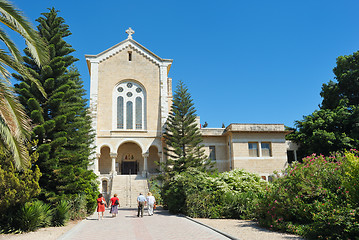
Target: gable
point(128, 44)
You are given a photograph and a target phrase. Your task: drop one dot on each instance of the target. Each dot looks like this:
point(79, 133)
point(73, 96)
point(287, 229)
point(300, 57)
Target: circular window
point(129, 94)
point(138, 90)
point(129, 85)
point(120, 89)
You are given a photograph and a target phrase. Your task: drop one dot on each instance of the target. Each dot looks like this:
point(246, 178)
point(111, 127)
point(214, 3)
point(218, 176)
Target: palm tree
point(14, 123)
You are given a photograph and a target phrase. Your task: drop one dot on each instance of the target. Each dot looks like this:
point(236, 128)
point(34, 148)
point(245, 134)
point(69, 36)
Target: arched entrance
point(105, 160)
point(130, 158)
point(152, 159)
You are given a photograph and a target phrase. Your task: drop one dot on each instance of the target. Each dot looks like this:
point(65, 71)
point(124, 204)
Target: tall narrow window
point(129, 106)
point(138, 113)
point(253, 149)
point(130, 56)
point(120, 112)
point(129, 119)
point(212, 153)
point(266, 151)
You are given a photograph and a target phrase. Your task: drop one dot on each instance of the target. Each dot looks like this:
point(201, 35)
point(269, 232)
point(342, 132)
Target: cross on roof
point(130, 32)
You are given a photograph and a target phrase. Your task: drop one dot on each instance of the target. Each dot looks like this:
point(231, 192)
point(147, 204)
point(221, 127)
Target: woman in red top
point(101, 205)
point(115, 202)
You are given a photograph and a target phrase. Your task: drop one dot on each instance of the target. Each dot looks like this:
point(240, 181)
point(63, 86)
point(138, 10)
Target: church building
point(130, 100)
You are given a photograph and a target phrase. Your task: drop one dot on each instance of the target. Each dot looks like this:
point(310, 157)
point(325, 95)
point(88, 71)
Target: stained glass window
point(130, 106)
point(120, 112)
point(138, 113)
point(129, 115)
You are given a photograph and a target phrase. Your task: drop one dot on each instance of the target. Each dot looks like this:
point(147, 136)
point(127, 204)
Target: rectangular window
point(212, 153)
point(253, 149)
point(266, 150)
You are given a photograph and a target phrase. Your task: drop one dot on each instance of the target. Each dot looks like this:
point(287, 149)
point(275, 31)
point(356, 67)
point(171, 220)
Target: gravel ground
point(241, 229)
point(50, 233)
point(245, 229)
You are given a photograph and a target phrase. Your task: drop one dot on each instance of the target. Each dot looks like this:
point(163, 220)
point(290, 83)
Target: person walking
point(141, 201)
point(101, 205)
point(115, 203)
point(150, 203)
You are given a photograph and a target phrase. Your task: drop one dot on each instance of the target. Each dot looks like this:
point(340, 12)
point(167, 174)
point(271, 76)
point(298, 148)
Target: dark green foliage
point(61, 122)
point(61, 213)
point(33, 215)
point(199, 194)
point(78, 207)
point(16, 188)
point(315, 198)
point(334, 127)
point(183, 139)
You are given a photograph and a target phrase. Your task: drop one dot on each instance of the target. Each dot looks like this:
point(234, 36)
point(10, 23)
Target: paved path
point(127, 225)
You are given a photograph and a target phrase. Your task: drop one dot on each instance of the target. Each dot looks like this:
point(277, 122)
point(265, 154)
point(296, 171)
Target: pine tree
point(61, 124)
point(182, 136)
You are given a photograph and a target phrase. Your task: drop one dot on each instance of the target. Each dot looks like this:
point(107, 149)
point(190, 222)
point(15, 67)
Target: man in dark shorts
point(141, 202)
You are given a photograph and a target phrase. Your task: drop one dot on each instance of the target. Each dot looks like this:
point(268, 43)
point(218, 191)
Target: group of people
point(150, 201)
point(142, 201)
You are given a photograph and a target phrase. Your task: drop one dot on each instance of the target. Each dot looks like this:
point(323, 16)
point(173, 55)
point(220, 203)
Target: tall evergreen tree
point(182, 136)
point(61, 124)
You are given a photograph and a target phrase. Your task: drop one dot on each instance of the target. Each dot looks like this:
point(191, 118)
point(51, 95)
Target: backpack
point(116, 202)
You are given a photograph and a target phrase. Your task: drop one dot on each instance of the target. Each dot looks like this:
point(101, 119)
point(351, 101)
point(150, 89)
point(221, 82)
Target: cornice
point(133, 45)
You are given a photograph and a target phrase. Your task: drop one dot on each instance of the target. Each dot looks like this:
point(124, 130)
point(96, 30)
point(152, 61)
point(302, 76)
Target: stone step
point(128, 187)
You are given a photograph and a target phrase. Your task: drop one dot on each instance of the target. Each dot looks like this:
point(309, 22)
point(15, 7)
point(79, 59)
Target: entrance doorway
point(129, 167)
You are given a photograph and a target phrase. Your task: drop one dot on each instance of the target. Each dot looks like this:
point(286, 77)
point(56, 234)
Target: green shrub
point(155, 189)
point(314, 199)
point(61, 213)
point(33, 215)
point(78, 207)
point(228, 194)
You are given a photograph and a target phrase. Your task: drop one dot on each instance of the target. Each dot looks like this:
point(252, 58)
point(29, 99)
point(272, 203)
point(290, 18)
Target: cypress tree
point(61, 124)
point(183, 137)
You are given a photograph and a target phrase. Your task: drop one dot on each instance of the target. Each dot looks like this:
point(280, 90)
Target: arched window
point(120, 112)
point(138, 113)
point(129, 113)
point(130, 106)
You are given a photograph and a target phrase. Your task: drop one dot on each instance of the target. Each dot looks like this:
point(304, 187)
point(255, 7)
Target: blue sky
point(243, 61)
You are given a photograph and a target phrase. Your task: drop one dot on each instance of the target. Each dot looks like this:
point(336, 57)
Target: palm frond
point(7, 60)
point(14, 125)
point(14, 19)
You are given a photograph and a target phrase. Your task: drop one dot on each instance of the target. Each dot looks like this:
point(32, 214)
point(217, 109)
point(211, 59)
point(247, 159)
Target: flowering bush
point(316, 198)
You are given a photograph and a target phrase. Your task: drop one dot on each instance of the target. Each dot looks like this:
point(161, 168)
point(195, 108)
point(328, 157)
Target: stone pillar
point(113, 165)
point(96, 164)
point(259, 149)
point(145, 157)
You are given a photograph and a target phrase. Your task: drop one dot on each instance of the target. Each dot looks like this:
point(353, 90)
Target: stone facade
point(130, 98)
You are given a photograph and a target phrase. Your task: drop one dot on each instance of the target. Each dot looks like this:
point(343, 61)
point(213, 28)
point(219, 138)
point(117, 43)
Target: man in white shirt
point(150, 203)
point(141, 201)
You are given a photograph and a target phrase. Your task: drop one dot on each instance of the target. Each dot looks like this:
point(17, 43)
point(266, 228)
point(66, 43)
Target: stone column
point(113, 165)
point(96, 164)
point(145, 157)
